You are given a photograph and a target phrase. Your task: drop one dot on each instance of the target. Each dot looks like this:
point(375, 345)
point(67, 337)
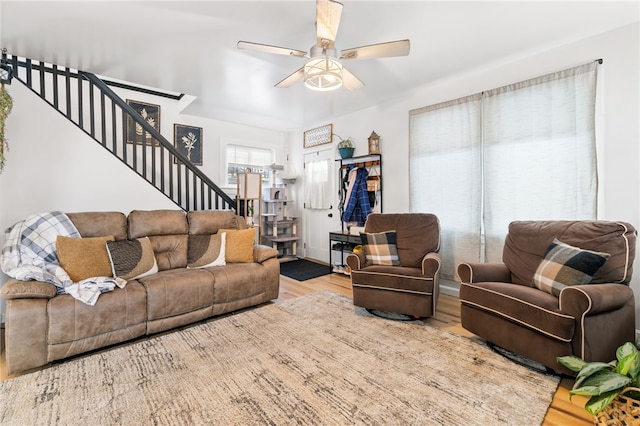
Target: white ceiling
point(190, 47)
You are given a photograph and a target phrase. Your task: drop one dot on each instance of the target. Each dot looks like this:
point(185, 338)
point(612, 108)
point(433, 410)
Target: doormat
point(302, 270)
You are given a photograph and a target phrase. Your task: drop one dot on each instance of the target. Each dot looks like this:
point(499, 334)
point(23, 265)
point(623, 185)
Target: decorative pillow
point(206, 250)
point(84, 258)
point(380, 248)
point(239, 245)
point(131, 259)
point(564, 265)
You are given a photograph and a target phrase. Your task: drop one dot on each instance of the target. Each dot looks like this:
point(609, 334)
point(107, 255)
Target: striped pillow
point(380, 248)
point(565, 265)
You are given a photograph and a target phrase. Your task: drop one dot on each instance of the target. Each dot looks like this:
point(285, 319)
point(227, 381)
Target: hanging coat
point(358, 207)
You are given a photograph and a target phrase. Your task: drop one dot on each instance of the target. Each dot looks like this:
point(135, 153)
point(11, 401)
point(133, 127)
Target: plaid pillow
point(564, 265)
point(380, 248)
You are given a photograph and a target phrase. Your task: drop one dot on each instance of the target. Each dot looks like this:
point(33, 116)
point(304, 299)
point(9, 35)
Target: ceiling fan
point(323, 69)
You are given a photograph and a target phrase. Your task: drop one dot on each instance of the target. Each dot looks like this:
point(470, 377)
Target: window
point(520, 152)
point(242, 158)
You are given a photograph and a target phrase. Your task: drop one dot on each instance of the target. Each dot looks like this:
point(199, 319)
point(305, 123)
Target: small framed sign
point(188, 141)
point(318, 136)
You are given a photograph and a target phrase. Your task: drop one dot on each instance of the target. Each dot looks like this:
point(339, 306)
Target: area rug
point(302, 270)
point(311, 360)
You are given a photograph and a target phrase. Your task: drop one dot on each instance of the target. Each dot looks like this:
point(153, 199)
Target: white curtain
point(317, 191)
point(444, 174)
point(520, 152)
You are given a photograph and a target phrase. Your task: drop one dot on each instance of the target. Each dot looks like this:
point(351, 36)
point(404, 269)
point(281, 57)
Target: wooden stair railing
point(89, 103)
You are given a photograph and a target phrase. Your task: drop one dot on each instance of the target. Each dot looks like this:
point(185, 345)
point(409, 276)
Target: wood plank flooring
point(562, 411)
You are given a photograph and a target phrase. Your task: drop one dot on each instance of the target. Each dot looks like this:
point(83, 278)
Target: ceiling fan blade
point(350, 81)
point(380, 50)
point(328, 14)
point(292, 78)
point(270, 49)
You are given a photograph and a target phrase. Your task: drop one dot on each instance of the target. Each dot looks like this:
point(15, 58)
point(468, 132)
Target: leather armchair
point(411, 288)
point(499, 303)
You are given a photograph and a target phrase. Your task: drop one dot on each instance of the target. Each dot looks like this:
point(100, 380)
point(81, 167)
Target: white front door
point(318, 222)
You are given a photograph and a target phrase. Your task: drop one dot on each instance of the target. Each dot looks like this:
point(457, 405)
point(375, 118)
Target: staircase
point(92, 106)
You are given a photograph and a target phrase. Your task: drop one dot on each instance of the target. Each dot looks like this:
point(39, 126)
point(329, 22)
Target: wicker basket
point(623, 411)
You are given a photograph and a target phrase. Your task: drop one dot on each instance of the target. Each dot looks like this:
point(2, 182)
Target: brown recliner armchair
point(411, 288)
point(499, 303)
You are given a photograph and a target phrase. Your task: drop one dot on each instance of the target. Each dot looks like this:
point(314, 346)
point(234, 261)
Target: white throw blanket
point(29, 253)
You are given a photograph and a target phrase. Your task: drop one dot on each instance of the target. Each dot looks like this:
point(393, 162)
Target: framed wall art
point(151, 114)
point(318, 136)
point(188, 141)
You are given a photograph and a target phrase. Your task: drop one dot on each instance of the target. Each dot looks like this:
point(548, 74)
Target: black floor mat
point(302, 270)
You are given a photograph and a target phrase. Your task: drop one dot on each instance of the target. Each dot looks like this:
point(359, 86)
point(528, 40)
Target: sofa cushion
point(380, 248)
point(417, 234)
point(210, 221)
point(177, 291)
point(527, 242)
point(565, 265)
point(523, 305)
point(168, 232)
point(131, 259)
point(206, 250)
point(239, 245)
point(396, 278)
point(97, 224)
point(84, 258)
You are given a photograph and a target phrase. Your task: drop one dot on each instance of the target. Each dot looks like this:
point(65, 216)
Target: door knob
point(330, 215)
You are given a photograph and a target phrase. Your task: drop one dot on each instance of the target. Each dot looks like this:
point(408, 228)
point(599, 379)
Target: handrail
point(165, 174)
point(156, 135)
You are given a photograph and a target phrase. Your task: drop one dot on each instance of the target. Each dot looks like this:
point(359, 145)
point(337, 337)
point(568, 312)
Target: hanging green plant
point(6, 103)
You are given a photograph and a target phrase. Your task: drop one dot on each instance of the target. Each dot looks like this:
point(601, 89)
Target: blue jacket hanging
point(358, 206)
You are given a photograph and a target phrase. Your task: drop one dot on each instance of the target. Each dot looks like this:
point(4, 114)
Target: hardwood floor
point(562, 412)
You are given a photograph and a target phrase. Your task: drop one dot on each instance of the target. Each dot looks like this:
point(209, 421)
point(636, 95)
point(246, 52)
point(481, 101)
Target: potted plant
point(6, 103)
point(610, 386)
point(346, 147)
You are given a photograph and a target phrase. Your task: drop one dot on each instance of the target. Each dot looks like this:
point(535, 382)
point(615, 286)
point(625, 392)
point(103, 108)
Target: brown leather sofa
point(412, 288)
point(499, 303)
point(42, 327)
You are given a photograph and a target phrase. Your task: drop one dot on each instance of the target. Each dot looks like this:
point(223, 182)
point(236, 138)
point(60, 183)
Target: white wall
point(620, 157)
point(53, 165)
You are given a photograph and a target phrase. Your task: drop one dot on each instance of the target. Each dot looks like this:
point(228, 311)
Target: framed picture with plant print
point(188, 141)
point(151, 114)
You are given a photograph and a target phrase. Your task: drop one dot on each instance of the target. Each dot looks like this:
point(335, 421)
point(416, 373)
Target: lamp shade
point(323, 73)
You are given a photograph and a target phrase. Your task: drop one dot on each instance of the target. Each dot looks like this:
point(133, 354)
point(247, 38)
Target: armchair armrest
point(482, 272)
point(592, 299)
point(431, 264)
point(14, 289)
point(262, 253)
point(355, 261)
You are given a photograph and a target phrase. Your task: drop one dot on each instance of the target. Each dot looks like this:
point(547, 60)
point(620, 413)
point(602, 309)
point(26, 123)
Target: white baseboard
point(451, 288)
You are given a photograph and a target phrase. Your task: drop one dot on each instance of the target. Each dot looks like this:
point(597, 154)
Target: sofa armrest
point(262, 253)
point(592, 299)
point(355, 261)
point(14, 289)
point(431, 264)
point(483, 272)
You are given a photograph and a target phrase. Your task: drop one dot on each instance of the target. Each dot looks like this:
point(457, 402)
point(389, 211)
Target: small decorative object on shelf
point(374, 143)
point(346, 147)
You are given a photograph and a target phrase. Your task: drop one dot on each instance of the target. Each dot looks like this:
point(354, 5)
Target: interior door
point(318, 222)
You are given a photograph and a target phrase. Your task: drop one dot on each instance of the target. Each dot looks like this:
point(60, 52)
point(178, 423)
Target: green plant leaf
point(626, 350)
point(626, 363)
point(601, 382)
point(572, 362)
point(598, 402)
point(588, 370)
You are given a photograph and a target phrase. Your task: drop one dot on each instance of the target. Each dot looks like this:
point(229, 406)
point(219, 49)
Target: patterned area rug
point(312, 360)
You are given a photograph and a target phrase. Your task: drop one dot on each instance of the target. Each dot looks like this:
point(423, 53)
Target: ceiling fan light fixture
point(323, 73)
